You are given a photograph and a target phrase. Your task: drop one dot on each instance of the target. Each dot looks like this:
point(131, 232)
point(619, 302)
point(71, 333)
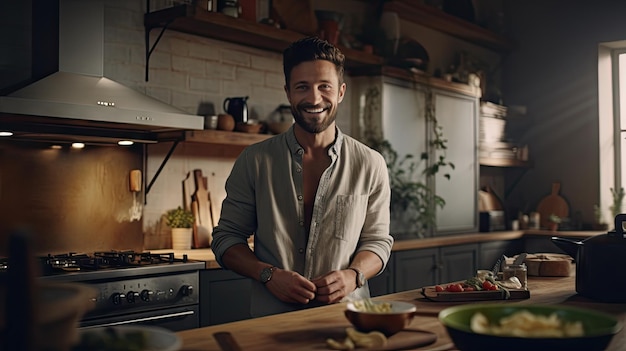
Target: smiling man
point(316, 200)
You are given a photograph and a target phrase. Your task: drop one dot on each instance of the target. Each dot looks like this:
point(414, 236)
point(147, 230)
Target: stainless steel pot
point(600, 263)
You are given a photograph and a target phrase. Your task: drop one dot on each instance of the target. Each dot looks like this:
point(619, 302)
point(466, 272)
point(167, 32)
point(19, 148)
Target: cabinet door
point(458, 262)
point(490, 252)
point(416, 268)
point(224, 297)
point(457, 114)
point(382, 284)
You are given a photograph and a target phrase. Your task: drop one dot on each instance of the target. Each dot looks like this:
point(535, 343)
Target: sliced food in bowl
point(524, 326)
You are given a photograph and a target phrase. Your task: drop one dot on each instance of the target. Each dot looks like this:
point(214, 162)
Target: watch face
point(266, 274)
point(360, 279)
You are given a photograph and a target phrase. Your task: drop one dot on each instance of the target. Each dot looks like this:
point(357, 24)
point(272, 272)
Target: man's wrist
point(266, 274)
point(360, 277)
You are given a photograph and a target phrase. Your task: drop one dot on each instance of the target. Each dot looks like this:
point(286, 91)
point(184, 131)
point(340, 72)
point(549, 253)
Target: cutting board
point(201, 208)
point(552, 204)
point(431, 294)
point(408, 338)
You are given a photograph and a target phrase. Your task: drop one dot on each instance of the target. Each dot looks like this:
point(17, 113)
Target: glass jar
point(516, 270)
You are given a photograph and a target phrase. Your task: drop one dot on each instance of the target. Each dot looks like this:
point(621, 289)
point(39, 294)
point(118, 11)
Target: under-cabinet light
point(5, 133)
point(125, 142)
point(78, 145)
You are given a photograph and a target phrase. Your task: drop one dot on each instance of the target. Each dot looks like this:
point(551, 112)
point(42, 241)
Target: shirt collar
point(295, 148)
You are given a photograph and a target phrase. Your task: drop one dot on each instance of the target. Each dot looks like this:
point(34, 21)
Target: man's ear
point(342, 93)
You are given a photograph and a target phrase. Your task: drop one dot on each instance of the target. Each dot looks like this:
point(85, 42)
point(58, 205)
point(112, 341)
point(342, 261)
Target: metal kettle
point(599, 261)
point(237, 107)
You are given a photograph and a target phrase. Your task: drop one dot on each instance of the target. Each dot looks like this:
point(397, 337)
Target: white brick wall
point(189, 72)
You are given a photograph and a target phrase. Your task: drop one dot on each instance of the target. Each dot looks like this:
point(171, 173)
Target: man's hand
point(335, 285)
point(291, 287)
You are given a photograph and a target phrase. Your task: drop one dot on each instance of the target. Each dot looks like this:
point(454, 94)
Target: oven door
point(174, 319)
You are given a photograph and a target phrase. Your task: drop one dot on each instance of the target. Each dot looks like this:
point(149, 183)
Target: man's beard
point(313, 126)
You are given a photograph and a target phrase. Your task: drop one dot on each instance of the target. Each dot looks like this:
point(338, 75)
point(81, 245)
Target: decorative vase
point(181, 238)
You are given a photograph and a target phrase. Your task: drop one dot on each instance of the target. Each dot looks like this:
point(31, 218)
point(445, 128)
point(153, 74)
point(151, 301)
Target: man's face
point(314, 94)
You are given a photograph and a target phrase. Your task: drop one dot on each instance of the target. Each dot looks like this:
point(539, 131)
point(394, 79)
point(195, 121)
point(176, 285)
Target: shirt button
point(301, 250)
point(300, 197)
point(301, 223)
point(299, 170)
point(300, 152)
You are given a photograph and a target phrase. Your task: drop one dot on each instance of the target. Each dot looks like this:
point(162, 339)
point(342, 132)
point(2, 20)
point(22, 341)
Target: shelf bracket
point(159, 19)
point(510, 188)
point(156, 175)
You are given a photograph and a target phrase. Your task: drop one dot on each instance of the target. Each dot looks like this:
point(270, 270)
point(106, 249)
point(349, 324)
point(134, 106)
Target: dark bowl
point(599, 328)
point(388, 323)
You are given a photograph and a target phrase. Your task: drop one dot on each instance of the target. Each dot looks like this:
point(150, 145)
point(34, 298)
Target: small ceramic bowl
point(389, 322)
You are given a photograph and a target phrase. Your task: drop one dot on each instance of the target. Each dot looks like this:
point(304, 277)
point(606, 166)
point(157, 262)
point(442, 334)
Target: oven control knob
point(145, 295)
point(117, 298)
point(131, 296)
point(187, 290)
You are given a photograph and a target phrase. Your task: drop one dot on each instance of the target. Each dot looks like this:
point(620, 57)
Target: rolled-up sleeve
point(238, 217)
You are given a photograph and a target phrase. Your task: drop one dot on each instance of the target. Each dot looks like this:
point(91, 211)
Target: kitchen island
point(308, 329)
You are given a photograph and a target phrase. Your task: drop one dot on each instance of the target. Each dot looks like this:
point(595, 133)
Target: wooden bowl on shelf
point(253, 128)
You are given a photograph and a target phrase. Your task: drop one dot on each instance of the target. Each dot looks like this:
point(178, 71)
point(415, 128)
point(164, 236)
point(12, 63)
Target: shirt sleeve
point(238, 217)
point(375, 234)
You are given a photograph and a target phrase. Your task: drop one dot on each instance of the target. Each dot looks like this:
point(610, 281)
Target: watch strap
point(360, 277)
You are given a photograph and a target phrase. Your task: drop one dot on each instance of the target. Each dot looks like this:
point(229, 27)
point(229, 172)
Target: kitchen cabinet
point(425, 267)
point(383, 283)
point(458, 115)
point(396, 110)
point(490, 252)
point(225, 297)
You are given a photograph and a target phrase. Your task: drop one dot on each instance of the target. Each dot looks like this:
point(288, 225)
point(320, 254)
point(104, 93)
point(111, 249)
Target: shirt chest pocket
point(350, 215)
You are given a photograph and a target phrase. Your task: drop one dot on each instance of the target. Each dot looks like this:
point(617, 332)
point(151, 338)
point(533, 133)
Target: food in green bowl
point(522, 327)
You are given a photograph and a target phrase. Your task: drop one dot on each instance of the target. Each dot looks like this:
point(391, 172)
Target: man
point(316, 200)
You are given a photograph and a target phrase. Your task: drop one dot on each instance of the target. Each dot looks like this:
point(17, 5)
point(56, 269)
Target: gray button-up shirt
point(265, 198)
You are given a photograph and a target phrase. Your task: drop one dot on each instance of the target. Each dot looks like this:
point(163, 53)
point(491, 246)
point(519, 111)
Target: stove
point(133, 287)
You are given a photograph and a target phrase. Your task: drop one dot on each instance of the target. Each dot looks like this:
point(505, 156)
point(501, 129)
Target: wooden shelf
point(504, 162)
point(418, 77)
point(197, 21)
point(434, 18)
point(223, 138)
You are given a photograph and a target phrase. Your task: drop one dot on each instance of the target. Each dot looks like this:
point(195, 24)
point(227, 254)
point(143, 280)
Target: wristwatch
point(266, 274)
point(360, 277)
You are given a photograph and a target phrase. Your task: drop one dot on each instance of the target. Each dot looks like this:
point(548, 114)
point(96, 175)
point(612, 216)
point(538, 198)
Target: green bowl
point(599, 328)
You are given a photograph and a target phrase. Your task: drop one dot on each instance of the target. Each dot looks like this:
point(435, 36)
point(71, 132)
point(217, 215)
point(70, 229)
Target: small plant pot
point(552, 226)
point(182, 238)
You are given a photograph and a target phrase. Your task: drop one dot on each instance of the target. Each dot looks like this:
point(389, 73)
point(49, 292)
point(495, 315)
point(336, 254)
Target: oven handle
point(146, 319)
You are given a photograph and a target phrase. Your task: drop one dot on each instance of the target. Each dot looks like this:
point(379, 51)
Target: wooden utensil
point(552, 204)
point(204, 218)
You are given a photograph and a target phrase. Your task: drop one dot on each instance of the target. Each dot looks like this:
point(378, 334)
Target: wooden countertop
point(208, 257)
point(304, 330)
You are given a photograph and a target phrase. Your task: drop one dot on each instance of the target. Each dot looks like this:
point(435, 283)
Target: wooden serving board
point(408, 338)
point(552, 204)
point(431, 294)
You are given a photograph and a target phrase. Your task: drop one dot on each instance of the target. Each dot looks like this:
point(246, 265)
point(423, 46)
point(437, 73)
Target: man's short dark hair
point(311, 49)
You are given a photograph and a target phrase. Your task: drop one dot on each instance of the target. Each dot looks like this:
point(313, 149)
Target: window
point(612, 121)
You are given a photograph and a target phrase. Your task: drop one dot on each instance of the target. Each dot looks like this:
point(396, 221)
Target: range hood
point(78, 102)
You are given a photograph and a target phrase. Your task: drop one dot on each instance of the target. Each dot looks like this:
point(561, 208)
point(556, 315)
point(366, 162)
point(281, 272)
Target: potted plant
point(181, 221)
point(599, 224)
point(553, 222)
point(618, 198)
